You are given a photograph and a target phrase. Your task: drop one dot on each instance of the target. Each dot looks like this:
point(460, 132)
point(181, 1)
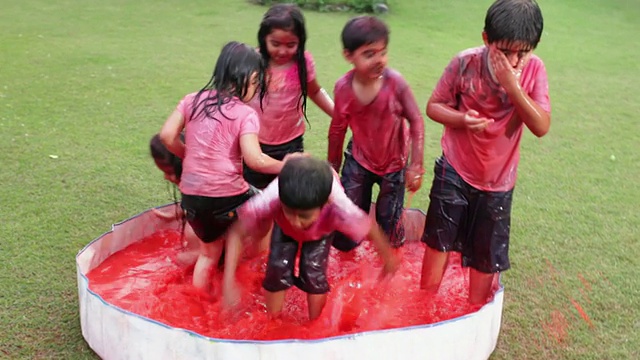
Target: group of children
point(235, 149)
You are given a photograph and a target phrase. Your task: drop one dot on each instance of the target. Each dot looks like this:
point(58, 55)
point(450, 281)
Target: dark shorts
point(473, 222)
point(210, 217)
point(314, 258)
point(358, 185)
point(278, 152)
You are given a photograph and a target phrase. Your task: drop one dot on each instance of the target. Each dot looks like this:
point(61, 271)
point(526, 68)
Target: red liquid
point(144, 279)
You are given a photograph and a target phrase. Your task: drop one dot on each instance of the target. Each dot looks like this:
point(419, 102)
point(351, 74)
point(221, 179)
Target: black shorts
point(314, 258)
point(210, 217)
point(278, 152)
point(473, 222)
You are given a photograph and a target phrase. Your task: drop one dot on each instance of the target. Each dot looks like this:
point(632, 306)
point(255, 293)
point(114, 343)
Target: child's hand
point(474, 122)
point(507, 75)
point(413, 179)
point(168, 214)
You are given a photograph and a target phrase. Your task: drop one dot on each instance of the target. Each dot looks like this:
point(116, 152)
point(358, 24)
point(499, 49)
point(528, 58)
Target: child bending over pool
point(308, 204)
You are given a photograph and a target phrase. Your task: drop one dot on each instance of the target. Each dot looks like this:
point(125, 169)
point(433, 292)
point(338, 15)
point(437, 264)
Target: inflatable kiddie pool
point(114, 333)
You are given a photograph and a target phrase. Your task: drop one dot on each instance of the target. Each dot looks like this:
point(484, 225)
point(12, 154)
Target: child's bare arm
point(255, 159)
point(320, 97)
point(337, 132)
point(531, 113)
point(416, 129)
point(170, 134)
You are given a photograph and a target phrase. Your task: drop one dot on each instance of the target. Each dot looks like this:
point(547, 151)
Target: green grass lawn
point(91, 81)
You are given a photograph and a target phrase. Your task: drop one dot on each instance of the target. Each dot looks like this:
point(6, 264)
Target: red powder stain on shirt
point(144, 279)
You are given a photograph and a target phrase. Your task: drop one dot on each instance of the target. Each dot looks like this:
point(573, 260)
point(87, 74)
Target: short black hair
point(305, 183)
point(363, 30)
point(514, 21)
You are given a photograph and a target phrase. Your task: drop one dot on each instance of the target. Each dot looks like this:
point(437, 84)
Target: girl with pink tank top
point(221, 131)
point(291, 78)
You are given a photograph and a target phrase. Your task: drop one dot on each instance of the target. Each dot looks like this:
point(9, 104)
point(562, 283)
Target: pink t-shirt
point(487, 160)
point(281, 116)
point(212, 165)
point(339, 214)
point(381, 139)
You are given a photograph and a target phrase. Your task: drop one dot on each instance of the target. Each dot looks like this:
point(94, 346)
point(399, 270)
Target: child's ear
point(347, 55)
point(485, 38)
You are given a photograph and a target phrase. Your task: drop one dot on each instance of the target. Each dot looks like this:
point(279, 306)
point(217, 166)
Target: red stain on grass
point(575, 304)
point(584, 282)
point(557, 326)
point(582, 312)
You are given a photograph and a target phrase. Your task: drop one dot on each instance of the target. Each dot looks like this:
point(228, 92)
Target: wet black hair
point(287, 17)
point(305, 183)
point(514, 21)
point(161, 154)
point(231, 77)
point(363, 30)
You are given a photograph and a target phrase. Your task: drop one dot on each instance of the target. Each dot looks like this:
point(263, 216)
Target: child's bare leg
point(275, 302)
point(479, 286)
point(208, 258)
point(263, 243)
point(316, 303)
point(434, 264)
point(191, 251)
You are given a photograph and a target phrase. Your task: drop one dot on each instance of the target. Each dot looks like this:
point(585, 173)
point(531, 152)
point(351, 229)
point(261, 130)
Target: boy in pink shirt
point(375, 102)
point(307, 204)
point(484, 99)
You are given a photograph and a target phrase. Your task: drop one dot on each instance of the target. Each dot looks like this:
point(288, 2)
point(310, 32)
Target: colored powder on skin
point(145, 279)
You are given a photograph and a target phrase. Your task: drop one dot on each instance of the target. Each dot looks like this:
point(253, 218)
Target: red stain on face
point(282, 46)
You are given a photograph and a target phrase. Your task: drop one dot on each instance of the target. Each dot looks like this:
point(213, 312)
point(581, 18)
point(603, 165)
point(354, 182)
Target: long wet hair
point(513, 21)
point(231, 77)
point(287, 17)
point(162, 155)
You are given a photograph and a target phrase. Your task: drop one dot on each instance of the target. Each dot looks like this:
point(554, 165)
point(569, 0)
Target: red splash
point(145, 280)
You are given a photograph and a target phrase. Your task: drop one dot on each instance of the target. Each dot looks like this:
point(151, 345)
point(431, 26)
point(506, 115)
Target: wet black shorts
point(314, 258)
point(473, 222)
point(210, 217)
point(278, 152)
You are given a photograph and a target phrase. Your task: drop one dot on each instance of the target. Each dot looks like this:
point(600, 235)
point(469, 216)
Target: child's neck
point(274, 66)
point(365, 81)
point(366, 89)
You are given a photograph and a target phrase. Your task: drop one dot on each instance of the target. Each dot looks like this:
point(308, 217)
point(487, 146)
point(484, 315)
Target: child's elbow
point(543, 128)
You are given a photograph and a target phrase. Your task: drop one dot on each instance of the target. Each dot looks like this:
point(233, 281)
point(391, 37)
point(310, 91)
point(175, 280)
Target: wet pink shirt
point(339, 214)
point(281, 117)
point(381, 138)
point(487, 160)
point(212, 165)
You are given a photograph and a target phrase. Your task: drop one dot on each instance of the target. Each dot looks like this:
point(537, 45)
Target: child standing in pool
point(375, 102)
point(221, 131)
point(307, 204)
point(291, 79)
point(484, 99)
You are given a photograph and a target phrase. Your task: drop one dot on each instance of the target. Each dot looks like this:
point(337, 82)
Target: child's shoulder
point(471, 52)
point(344, 82)
point(394, 75)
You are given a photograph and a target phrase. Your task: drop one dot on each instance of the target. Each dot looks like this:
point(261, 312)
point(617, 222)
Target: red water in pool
point(145, 279)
